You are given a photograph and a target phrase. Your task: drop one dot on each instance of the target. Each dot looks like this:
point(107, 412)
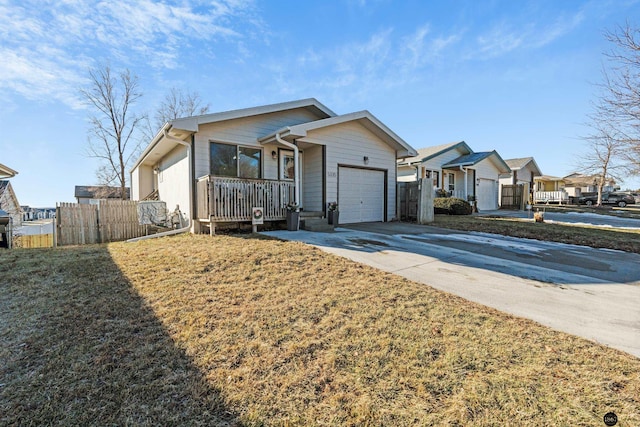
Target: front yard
point(243, 330)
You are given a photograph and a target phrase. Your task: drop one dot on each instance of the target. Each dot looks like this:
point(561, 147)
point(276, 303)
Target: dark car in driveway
point(613, 198)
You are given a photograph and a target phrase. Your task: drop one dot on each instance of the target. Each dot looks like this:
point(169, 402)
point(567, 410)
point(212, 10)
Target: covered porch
point(224, 199)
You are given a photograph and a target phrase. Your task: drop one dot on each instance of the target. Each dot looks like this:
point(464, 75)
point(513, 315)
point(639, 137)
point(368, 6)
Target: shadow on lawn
point(80, 347)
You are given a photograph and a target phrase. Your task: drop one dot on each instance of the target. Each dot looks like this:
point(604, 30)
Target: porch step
point(311, 214)
point(315, 224)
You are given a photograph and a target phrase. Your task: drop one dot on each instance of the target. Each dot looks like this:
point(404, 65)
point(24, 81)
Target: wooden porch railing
point(223, 199)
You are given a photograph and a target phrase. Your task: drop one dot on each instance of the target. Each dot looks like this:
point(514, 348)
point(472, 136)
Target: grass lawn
point(244, 330)
point(594, 236)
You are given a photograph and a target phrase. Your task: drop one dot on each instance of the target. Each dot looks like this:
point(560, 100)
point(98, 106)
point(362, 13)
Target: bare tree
point(113, 125)
point(620, 99)
point(176, 104)
point(604, 159)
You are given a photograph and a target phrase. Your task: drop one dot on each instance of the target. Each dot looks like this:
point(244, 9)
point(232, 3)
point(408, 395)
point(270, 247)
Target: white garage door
point(360, 195)
point(487, 195)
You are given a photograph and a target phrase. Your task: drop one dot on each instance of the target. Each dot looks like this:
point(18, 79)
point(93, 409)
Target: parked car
point(620, 199)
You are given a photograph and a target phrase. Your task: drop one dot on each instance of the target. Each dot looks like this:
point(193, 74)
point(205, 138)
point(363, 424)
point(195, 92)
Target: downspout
point(296, 160)
point(187, 228)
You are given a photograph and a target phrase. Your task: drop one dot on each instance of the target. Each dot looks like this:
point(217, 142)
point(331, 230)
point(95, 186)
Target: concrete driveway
point(592, 293)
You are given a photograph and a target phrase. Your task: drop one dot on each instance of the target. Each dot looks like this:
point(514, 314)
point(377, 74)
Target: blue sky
point(514, 76)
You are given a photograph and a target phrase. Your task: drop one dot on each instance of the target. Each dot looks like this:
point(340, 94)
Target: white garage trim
point(362, 194)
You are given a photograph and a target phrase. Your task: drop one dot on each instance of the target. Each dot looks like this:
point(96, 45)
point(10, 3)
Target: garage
point(361, 195)
point(487, 195)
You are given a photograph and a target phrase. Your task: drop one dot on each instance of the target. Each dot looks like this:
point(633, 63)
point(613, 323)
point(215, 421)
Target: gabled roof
point(6, 172)
point(547, 178)
point(311, 104)
point(365, 118)
point(521, 163)
point(99, 192)
point(428, 153)
point(179, 129)
point(474, 158)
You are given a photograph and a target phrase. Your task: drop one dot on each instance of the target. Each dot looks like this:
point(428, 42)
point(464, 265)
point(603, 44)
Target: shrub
point(451, 206)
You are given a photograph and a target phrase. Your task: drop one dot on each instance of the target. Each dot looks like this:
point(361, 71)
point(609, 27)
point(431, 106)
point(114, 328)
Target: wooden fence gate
point(408, 195)
point(107, 221)
point(512, 196)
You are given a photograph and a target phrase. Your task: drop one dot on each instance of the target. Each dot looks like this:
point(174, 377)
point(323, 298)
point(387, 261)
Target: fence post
point(425, 204)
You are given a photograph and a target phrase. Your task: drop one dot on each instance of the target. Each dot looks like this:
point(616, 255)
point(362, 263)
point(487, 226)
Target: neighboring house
point(217, 167)
point(458, 170)
point(33, 214)
point(549, 188)
point(563, 190)
point(577, 183)
point(523, 172)
point(9, 203)
point(90, 194)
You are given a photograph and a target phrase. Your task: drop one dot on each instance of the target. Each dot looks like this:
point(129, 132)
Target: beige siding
point(246, 131)
point(486, 171)
point(141, 182)
point(173, 181)
point(437, 162)
point(347, 145)
point(312, 179)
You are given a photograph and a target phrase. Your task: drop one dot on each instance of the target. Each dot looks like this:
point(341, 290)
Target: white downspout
point(296, 161)
point(187, 228)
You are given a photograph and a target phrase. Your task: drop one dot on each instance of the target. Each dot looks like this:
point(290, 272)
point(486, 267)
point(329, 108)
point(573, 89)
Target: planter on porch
point(332, 213)
point(332, 217)
point(293, 220)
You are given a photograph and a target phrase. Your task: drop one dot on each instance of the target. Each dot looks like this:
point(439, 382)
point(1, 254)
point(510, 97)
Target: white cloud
point(48, 45)
point(506, 37)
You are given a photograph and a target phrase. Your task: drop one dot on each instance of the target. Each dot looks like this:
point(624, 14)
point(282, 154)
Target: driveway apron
point(592, 293)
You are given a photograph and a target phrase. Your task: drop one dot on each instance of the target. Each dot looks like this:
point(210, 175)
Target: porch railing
point(550, 196)
point(223, 199)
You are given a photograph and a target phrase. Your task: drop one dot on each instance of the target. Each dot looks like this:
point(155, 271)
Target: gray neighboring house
point(90, 194)
point(523, 172)
point(458, 170)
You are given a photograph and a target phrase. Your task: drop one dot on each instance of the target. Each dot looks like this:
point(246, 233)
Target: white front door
point(287, 168)
point(360, 195)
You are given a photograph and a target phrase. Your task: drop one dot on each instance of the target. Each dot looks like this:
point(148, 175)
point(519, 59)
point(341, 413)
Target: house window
point(451, 182)
point(436, 176)
point(235, 161)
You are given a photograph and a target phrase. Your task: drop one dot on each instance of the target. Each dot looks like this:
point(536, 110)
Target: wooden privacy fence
point(107, 221)
point(512, 196)
point(33, 241)
point(408, 196)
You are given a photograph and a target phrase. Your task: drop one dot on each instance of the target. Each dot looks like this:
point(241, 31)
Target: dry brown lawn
point(244, 330)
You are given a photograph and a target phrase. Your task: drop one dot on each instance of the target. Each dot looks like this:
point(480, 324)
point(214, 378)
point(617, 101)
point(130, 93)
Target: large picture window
point(235, 161)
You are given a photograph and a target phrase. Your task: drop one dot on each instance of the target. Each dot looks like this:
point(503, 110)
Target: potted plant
point(332, 213)
point(293, 216)
point(440, 192)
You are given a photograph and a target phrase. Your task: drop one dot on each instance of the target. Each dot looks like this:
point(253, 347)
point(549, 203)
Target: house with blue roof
point(459, 171)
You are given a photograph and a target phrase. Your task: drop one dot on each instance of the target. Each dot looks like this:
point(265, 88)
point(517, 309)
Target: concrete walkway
point(592, 293)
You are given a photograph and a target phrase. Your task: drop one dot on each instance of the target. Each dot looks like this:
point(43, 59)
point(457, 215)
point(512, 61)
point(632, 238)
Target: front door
point(287, 168)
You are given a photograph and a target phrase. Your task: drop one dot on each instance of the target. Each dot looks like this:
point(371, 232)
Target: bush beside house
point(451, 206)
